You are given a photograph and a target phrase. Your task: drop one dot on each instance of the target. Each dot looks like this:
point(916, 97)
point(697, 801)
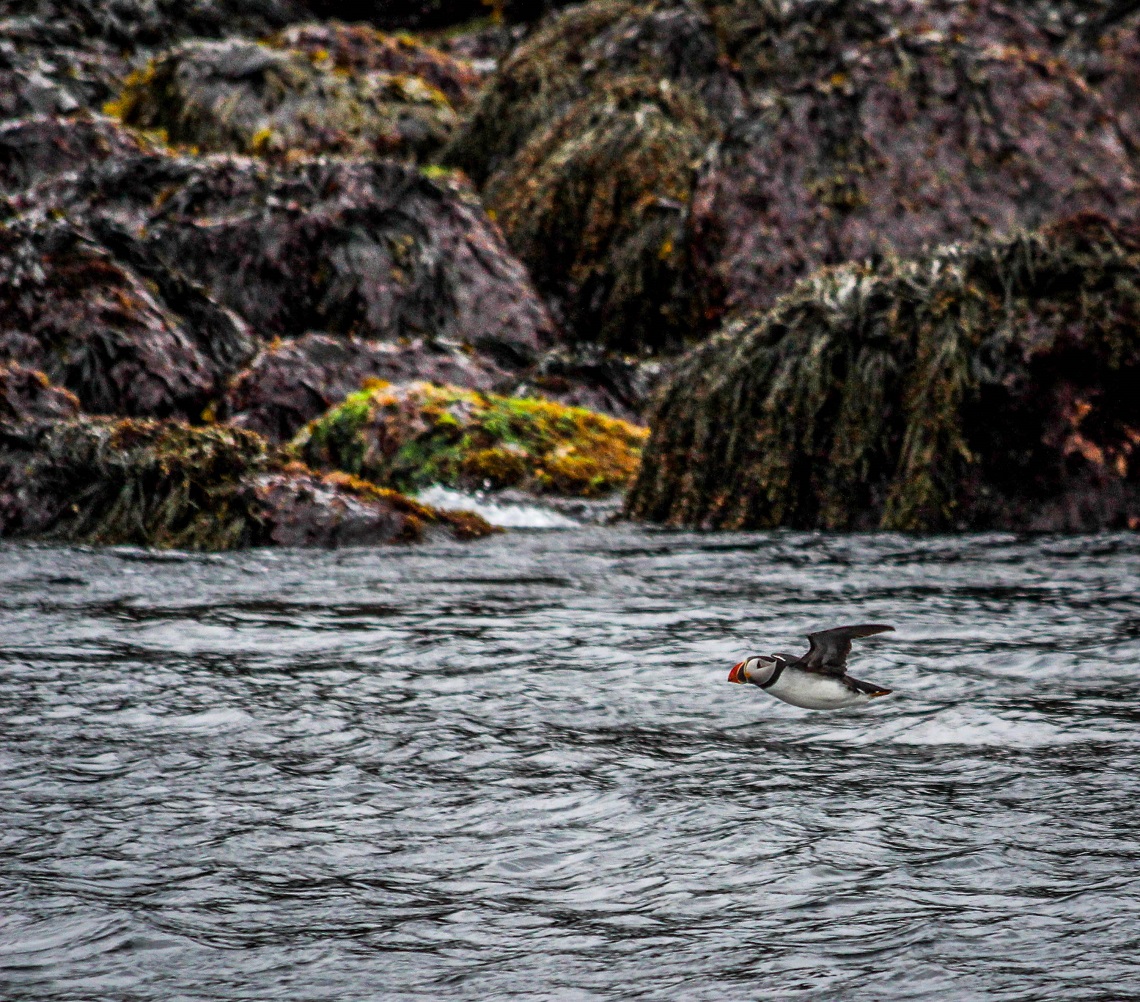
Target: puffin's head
point(756, 670)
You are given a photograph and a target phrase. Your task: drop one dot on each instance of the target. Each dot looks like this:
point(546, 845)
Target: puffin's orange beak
point(737, 673)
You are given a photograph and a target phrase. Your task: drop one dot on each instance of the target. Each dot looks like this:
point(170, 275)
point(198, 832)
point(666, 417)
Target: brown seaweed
point(986, 385)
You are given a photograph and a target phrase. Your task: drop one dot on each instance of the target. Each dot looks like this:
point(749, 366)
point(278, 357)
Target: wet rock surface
point(989, 385)
point(41, 146)
point(124, 337)
point(415, 435)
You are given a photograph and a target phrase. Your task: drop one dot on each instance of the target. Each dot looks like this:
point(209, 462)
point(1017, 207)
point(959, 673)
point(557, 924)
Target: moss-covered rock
point(252, 98)
point(990, 385)
point(596, 205)
point(920, 138)
point(294, 380)
point(416, 435)
point(162, 483)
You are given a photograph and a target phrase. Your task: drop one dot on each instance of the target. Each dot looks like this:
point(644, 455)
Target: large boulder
point(163, 483)
point(417, 435)
point(915, 140)
point(378, 250)
point(580, 51)
point(127, 337)
point(987, 385)
point(253, 98)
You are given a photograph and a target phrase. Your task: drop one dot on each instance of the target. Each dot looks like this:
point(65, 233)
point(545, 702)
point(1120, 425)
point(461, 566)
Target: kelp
point(596, 205)
point(241, 96)
point(294, 380)
point(986, 385)
point(109, 481)
point(416, 435)
point(921, 138)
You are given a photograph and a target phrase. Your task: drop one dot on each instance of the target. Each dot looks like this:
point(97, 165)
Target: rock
point(29, 403)
point(920, 139)
point(35, 148)
point(130, 24)
point(162, 483)
point(596, 205)
point(377, 250)
point(358, 48)
point(44, 72)
point(250, 98)
point(988, 385)
point(295, 380)
point(124, 336)
point(413, 436)
point(597, 380)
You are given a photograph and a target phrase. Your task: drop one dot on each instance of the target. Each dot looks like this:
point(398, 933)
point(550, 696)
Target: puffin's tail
point(869, 688)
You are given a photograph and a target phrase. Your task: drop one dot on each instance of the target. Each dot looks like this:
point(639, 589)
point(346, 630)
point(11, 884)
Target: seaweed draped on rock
point(250, 97)
point(163, 483)
point(375, 249)
point(987, 385)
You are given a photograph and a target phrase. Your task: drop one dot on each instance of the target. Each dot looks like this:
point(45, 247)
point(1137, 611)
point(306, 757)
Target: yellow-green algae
point(414, 435)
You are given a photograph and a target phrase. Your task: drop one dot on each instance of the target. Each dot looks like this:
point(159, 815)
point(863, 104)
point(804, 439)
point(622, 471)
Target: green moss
point(410, 437)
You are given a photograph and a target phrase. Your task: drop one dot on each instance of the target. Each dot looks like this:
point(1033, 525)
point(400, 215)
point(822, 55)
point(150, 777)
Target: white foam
point(506, 516)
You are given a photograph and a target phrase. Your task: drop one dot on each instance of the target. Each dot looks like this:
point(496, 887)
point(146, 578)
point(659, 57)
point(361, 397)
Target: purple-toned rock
point(35, 148)
point(124, 338)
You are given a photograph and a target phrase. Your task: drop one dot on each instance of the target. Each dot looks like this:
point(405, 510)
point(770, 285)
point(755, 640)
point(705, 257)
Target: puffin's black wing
point(829, 648)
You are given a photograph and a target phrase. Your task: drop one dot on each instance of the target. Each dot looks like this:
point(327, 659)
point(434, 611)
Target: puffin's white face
point(756, 670)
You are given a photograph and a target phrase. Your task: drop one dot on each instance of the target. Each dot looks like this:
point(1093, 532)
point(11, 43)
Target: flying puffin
point(818, 680)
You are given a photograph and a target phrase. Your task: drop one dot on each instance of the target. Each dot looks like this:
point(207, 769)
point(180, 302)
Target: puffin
point(819, 679)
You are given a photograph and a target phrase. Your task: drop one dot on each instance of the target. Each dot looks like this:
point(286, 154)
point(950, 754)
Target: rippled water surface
point(514, 769)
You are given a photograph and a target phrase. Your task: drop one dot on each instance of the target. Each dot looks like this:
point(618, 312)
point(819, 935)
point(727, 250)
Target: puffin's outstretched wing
point(829, 648)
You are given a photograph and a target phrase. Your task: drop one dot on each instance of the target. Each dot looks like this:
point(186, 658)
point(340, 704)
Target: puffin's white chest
point(814, 692)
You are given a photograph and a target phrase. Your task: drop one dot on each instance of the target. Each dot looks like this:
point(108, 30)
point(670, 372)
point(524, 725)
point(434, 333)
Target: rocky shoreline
point(857, 263)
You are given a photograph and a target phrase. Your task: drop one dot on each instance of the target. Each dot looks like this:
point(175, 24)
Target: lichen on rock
point(415, 435)
point(987, 385)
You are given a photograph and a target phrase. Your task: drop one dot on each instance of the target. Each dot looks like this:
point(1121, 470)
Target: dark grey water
point(515, 770)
